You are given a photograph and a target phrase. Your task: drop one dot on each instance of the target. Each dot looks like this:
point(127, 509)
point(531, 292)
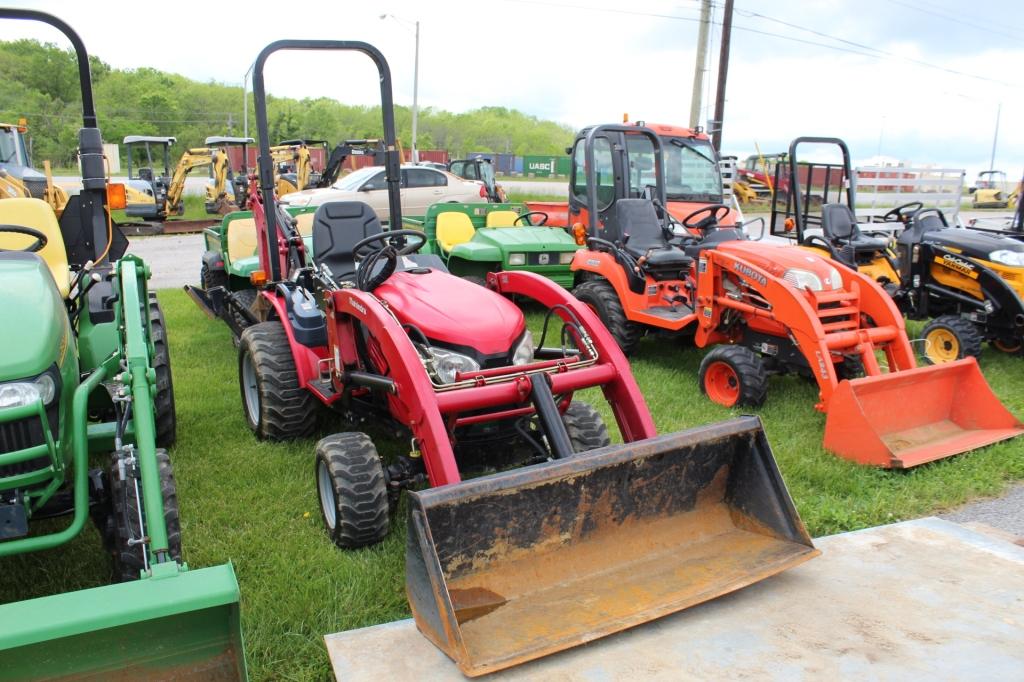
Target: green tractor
point(474, 239)
point(86, 410)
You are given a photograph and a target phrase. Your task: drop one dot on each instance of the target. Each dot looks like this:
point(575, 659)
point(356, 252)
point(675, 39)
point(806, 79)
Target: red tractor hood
point(454, 311)
point(777, 258)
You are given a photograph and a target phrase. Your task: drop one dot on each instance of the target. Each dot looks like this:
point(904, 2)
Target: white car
point(421, 187)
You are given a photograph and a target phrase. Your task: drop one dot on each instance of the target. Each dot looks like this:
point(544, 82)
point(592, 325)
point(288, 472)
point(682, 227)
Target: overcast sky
point(918, 80)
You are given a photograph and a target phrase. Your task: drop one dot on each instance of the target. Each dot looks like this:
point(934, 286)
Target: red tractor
point(768, 308)
point(383, 336)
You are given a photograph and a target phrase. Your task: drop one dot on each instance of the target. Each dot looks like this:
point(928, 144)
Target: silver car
point(420, 188)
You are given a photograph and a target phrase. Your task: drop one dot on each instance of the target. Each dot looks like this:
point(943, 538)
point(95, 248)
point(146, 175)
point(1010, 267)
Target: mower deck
point(959, 618)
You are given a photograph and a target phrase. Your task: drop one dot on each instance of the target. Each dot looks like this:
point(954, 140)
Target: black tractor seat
point(644, 238)
point(337, 227)
point(840, 228)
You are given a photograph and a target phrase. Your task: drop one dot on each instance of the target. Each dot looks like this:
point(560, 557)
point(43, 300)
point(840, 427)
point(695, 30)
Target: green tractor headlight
point(18, 394)
point(566, 257)
point(517, 259)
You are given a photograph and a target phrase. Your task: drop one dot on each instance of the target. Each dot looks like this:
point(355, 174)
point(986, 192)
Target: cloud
point(585, 64)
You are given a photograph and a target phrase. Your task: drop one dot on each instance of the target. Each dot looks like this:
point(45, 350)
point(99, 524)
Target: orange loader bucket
point(506, 568)
point(906, 418)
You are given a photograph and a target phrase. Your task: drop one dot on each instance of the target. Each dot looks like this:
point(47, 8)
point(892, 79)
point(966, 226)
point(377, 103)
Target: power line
point(875, 49)
point(874, 52)
point(956, 19)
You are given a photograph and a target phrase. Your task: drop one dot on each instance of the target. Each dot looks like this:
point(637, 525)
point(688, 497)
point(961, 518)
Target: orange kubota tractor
point(768, 308)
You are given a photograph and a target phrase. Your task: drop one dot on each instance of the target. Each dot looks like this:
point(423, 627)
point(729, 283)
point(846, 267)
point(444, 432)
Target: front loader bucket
point(507, 568)
point(903, 419)
point(184, 626)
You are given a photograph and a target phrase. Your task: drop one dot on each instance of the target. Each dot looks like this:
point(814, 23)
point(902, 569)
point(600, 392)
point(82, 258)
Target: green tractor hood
point(35, 322)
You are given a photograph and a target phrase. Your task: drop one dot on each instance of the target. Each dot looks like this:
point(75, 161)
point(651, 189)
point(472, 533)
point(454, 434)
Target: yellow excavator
point(18, 178)
point(990, 191)
point(156, 197)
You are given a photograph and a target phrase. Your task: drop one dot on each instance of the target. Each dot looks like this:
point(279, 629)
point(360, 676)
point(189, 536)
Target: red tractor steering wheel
point(393, 244)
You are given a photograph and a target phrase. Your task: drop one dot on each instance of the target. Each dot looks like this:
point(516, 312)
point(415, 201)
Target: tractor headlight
point(835, 279)
point(524, 351)
point(517, 259)
point(47, 388)
point(1007, 257)
point(18, 394)
point(448, 363)
point(803, 279)
point(566, 258)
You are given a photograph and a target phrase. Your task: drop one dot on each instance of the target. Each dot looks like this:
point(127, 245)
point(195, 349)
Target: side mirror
point(366, 188)
point(568, 151)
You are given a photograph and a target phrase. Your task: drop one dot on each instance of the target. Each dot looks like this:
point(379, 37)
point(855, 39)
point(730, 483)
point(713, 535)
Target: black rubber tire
point(600, 295)
point(586, 428)
point(749, 371)
point(850, 368)
point(283, 409)
point(967, 338)
point(163, 401)
point(354, 487)
point(212, 278)
point(475, 279)
point(246, 297)
point(1011, 347)
point(124, 518)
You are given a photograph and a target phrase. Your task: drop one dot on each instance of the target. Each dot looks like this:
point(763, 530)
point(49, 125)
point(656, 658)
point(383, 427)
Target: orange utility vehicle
point(768, 308)
point(693, 178)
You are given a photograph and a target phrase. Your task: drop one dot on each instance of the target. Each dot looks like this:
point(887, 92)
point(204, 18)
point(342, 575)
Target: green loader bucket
point(507, 568)
point(183, 626)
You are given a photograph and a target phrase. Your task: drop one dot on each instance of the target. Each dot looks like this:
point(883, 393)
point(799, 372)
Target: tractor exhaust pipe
point(506, 568)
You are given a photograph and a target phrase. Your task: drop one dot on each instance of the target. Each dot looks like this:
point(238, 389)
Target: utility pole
point(995, 138)
point(699, 67)
point(723, 72)
point(415, 93)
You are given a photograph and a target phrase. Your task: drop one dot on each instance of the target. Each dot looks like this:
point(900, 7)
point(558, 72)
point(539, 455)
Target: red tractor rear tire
point(352, 489)
point(734, 375)
point(276, 407)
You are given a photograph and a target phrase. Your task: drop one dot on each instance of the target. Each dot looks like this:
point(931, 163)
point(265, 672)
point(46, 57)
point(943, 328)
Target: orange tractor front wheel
point(733, 375)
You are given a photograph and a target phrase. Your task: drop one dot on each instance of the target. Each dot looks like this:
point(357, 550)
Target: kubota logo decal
point(594, 262)
point(751, 273)
point(964, 267)
point(357, 305)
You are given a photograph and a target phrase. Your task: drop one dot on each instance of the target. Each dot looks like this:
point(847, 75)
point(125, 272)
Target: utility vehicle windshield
point(691, 172)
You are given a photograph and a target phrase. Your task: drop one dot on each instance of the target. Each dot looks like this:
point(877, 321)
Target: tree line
point(41, 84)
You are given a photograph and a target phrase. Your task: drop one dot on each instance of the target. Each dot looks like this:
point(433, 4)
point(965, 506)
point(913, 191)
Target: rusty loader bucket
point(507, 568)
point(906, 418)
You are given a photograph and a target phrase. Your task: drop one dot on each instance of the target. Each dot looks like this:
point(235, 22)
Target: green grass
point(519, 197)
point(255, 504)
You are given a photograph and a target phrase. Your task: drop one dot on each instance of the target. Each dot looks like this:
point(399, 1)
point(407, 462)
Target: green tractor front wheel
point(125, 530)
point(163, 401)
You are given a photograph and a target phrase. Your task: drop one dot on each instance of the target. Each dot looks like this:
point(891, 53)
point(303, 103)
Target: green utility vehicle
point(86, 408)
point(474, 239)
point(226, 289)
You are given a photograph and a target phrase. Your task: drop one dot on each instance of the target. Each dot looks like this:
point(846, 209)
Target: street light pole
point(415, 95)
point(245, 100)
point(415, 84)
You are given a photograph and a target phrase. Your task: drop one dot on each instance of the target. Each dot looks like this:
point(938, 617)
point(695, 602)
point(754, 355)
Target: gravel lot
point(1005, 513)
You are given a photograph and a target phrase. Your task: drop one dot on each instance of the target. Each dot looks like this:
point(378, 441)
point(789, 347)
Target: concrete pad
point(925, 599)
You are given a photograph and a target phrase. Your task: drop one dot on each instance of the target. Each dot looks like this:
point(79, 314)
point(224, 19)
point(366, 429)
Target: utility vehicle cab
point(147, 182)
